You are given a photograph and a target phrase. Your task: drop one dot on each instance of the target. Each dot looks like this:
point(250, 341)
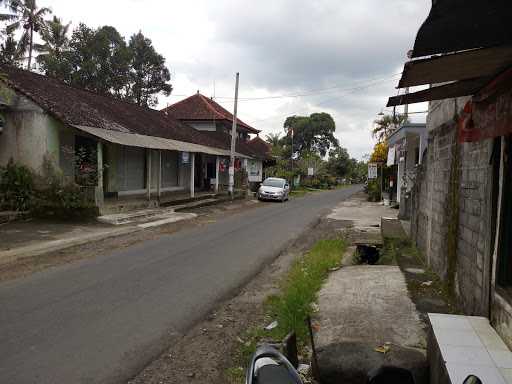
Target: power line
point(313, 92)
point(320, 103)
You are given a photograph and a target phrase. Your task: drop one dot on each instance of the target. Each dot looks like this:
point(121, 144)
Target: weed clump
point(300, 287)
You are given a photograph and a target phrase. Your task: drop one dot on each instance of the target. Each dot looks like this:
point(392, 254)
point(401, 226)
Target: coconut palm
point(386, 125)
point(273, 139)
point(30, 18)
point(55, 38)
point(9, 53)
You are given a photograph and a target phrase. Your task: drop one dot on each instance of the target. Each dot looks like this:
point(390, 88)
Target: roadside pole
point(382, 182)
point(292, 181)
point(231, 187)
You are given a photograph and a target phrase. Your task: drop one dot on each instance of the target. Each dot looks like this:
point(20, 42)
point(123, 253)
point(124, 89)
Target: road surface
point(102, 320)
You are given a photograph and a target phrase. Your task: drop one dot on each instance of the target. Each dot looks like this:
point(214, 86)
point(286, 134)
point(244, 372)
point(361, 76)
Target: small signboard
point(185, 157)
point(372, 170)
point(311, 171)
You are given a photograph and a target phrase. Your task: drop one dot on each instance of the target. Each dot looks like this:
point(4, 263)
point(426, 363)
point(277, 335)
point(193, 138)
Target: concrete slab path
point(364, 307)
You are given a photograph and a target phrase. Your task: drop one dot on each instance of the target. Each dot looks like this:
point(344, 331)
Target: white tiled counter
point(459, 346)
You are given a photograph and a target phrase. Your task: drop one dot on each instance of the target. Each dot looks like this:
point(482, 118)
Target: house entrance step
point(154, 214)
point(135, 216)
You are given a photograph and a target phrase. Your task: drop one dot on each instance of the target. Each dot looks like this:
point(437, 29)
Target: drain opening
point(367, 254)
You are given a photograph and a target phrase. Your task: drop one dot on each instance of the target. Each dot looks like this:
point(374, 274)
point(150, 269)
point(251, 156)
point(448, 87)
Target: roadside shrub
point(374, 190)
point(300, 289)
point(16, 187)
point(58, 197)
point(47, 194)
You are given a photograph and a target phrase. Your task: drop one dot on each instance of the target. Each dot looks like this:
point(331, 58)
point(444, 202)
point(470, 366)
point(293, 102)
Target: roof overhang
point(457, 25)
point(445, 91)
point(151, 142)
point(406, 130)
point(456, 66)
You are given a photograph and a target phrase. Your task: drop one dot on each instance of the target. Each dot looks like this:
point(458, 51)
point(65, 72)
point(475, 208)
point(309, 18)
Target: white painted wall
point(29, 134)
point(203, 125)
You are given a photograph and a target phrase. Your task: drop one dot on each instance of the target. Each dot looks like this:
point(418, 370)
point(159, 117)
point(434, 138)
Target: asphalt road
point(101, 320)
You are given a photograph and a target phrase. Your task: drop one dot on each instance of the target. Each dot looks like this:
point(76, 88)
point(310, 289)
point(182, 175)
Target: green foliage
point(9, 53)
point(240, 179)
point(28, 17)
point(59, 197)
point(386, 125)
point(100, 60)
point(374, 190)
point(339, 163)
point(52, 53)
point(16, 187)
point(148, 73)
point(300, 288)
point(47, 194)
point(282, 169)
point(311, 134)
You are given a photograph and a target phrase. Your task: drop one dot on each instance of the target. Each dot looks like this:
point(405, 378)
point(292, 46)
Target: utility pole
point(231, 187)
point(292, 181)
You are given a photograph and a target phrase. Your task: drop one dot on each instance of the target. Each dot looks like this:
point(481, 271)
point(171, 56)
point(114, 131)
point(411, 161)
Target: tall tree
point(148, 73)
point(386, 125)
point(273, 139)
point(9, 53)
point(99, 60)
point(54, 48)
point(314, 133)
point(28, 17)
point(339, 162)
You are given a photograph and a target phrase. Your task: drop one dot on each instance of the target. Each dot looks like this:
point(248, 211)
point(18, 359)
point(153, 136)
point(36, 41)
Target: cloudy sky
point(341, 57)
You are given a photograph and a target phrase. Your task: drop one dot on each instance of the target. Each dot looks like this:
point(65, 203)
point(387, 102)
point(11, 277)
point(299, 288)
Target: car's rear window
point(273, 183)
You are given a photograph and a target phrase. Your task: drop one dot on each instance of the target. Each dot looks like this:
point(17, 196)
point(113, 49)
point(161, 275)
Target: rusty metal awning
point(457, 25)
point(445, 91)
point(457, 66)
point(152, 142)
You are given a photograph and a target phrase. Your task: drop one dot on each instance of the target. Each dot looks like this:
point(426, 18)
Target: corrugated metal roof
point(152, 142)
point(409, 128)
point(456, 66)
point(456, 25)
point(445, 91)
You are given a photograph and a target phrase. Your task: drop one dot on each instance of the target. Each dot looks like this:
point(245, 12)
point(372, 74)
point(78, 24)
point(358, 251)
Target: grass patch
point(394, 248)
point(300, 287)
point(299, 290)
point(404, 253)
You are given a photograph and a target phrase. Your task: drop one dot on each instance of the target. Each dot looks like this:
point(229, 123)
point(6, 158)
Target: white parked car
point(274, 188)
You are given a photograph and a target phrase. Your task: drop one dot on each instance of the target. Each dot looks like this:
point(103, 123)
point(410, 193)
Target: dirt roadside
point(207, 350)
point(206, 215)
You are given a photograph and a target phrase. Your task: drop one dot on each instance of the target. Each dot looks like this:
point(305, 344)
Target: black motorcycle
point(269, 366)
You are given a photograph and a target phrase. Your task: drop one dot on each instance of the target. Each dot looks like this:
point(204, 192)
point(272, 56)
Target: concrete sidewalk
point(366, 318)
point(29, 238)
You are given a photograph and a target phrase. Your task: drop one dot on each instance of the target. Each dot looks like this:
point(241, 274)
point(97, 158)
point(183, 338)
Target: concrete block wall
point(431, 214)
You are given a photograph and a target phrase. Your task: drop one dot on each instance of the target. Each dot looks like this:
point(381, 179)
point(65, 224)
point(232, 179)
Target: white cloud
point(279, 47)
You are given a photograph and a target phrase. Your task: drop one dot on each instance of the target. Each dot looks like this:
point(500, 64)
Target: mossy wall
point(452, 213)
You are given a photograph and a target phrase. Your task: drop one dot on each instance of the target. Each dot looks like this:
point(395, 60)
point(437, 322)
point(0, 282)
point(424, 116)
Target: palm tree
point(274, 139)
point(28, 16)
point(386, 125)
point(55, 38)
point(9, 53)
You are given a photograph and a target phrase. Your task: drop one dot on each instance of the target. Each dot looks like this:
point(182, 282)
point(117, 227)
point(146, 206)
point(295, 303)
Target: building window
point(416, 155)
